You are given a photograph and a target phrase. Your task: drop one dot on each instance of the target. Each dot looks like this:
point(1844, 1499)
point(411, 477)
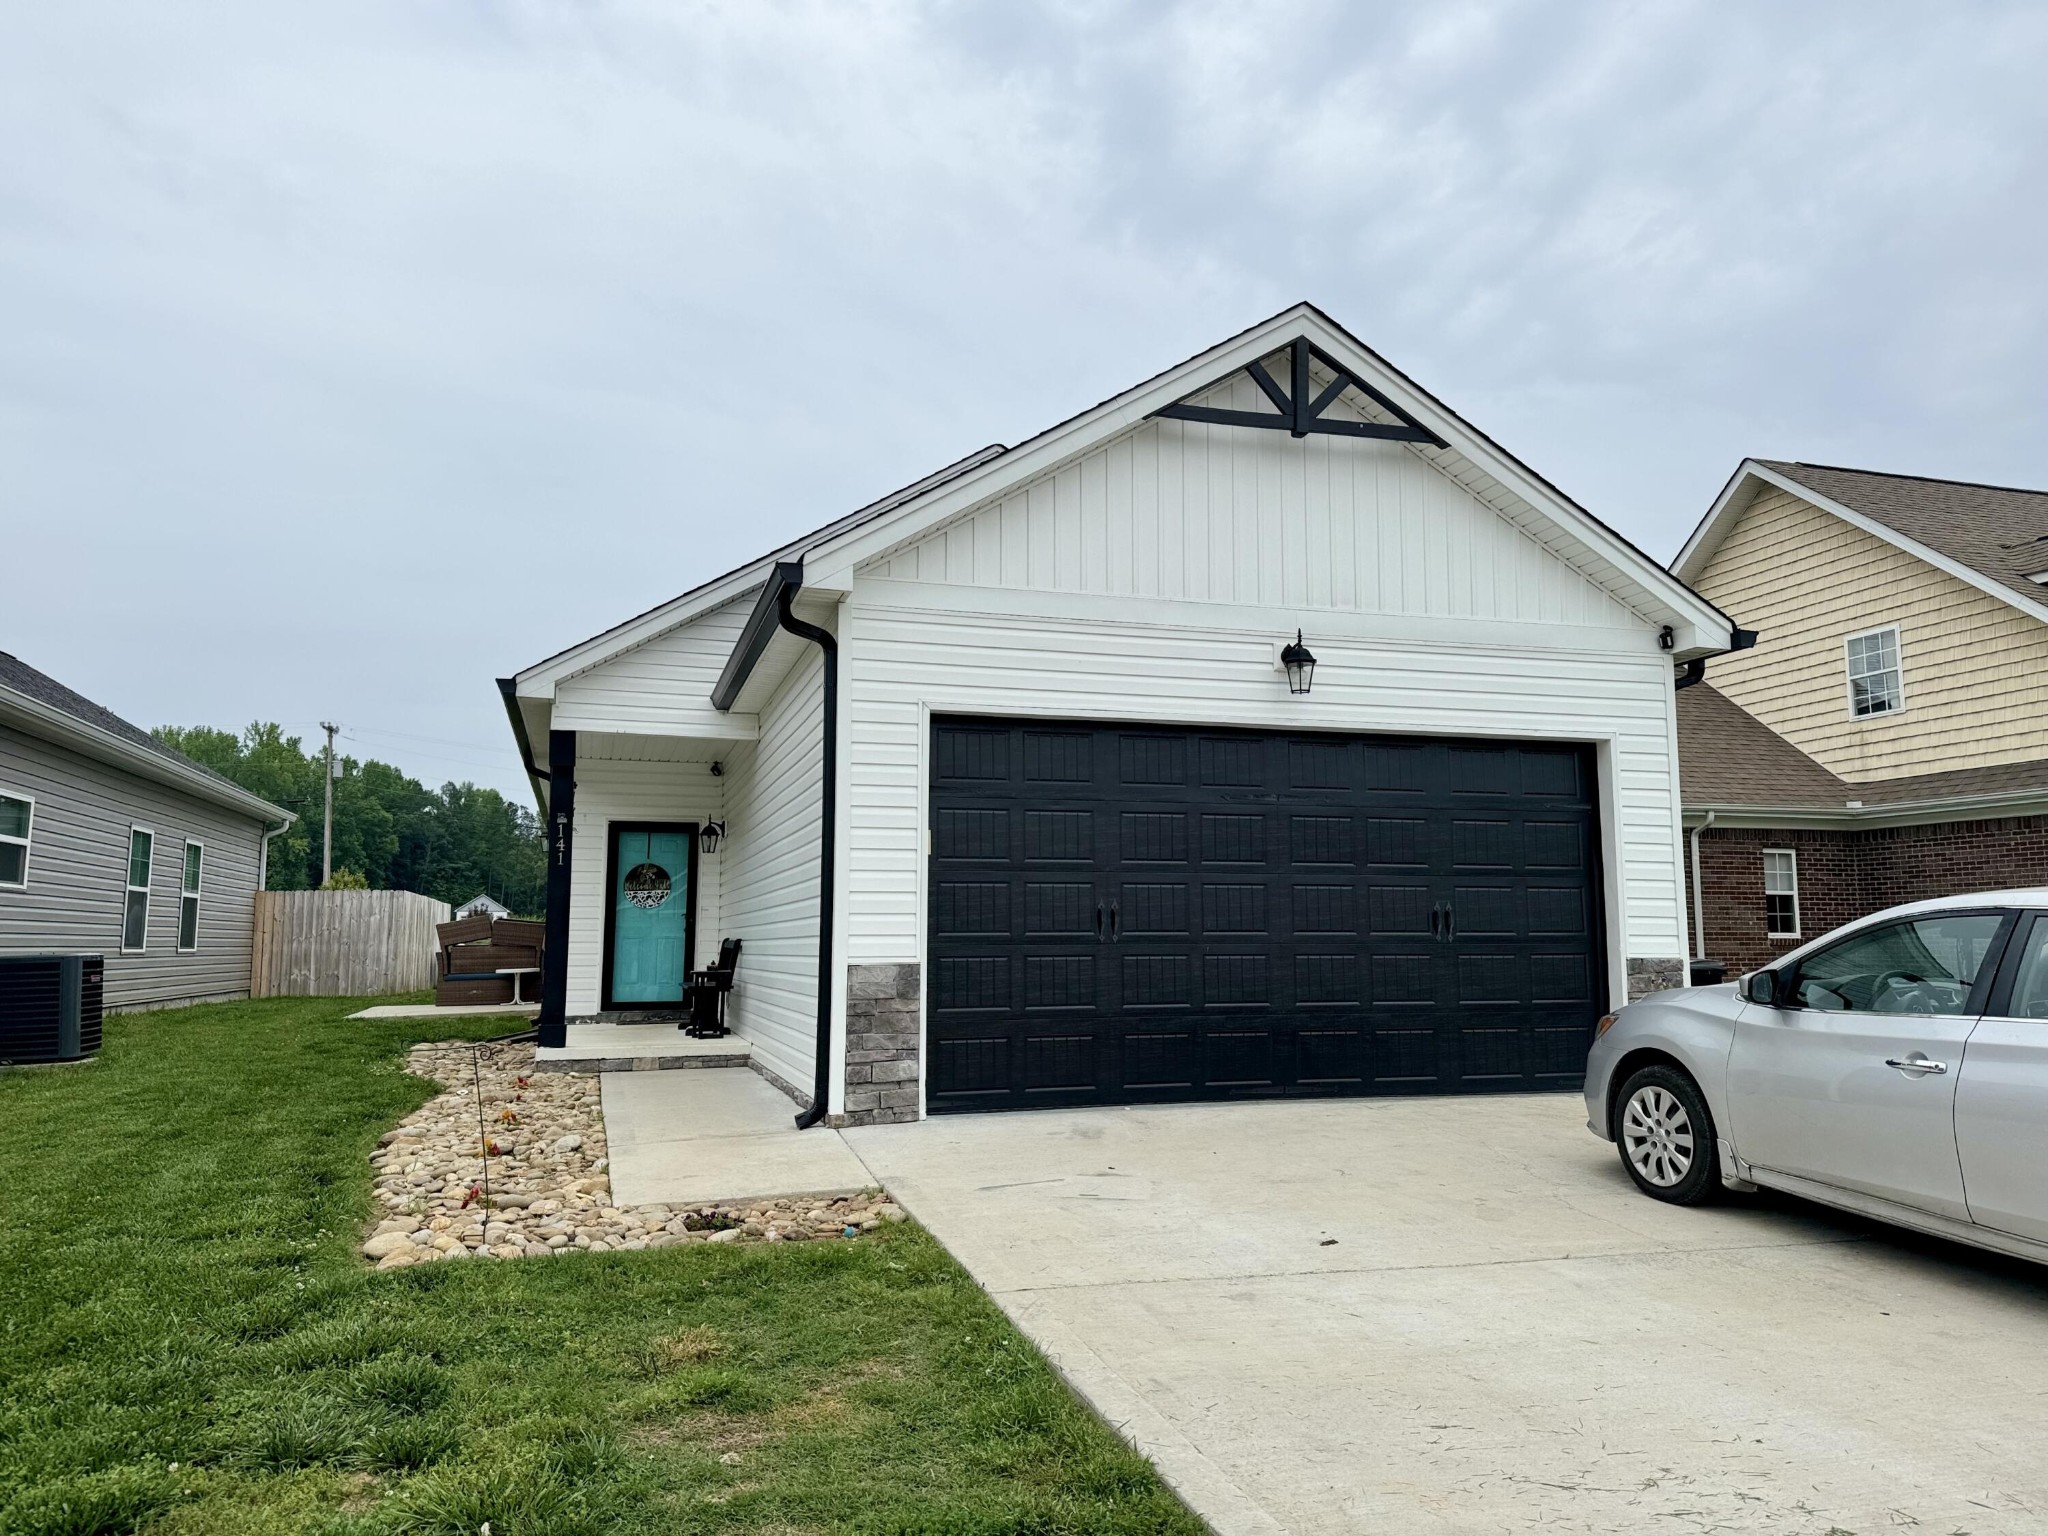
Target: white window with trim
point(1875, 683)
point(1781, 893)
point(17, 827)
point(135, 914)
point(188, 897)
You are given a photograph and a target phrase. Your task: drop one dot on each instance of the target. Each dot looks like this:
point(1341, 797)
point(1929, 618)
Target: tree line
point(390, 831)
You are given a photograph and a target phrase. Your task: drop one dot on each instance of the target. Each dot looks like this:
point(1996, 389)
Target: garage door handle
point(1436, 922)
point(1917, 1064)
point(1112, 922)
point(1098, 922)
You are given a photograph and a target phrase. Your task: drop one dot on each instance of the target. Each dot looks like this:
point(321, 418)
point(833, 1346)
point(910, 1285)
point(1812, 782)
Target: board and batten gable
point(78, 875)
point(1154, 578)
point(1183, 511)
point(1974, 670)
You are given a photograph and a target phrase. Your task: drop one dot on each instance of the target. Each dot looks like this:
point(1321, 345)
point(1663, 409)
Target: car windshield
point(1926, 965)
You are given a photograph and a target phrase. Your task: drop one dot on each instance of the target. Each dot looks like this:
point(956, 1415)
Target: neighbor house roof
point(1993, 537)
point(1732, 764)
point(35, 699)
point(1997, 530)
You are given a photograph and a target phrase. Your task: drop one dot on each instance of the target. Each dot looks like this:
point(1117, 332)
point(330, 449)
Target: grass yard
point(188, 1343)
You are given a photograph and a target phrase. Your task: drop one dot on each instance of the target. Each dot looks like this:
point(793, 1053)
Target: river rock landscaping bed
point(539, 1145)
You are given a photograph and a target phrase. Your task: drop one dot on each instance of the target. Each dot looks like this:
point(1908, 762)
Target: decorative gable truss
point(1369, 515)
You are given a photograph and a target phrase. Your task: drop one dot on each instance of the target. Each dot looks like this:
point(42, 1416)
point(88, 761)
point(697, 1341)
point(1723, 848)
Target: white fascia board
point(1742, 490)
point(1857, 818)
point(104, 746)
point(1735, 497)
point(1702, 627)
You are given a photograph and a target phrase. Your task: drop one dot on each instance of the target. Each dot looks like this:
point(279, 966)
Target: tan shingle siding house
point(1940, 783)
point(1975, 668)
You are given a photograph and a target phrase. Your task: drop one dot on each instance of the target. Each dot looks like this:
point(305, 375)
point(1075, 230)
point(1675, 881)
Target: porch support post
point(552, 1025)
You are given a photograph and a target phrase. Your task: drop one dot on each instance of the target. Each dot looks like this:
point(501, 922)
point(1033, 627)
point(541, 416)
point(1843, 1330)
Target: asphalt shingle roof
point(1998, 531)
point(1726, 756)
point(44, 689)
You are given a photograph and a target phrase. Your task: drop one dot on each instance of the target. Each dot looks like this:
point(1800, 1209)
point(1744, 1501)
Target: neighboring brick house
point(1887, 737)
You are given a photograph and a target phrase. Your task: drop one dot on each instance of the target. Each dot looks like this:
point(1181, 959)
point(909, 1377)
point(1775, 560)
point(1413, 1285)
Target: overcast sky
point(352, 355)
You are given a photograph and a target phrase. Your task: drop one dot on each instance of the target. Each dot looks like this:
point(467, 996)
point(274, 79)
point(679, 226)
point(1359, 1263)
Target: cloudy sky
point(354, 354)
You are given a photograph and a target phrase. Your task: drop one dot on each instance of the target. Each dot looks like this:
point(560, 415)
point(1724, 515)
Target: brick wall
point(1847, 875)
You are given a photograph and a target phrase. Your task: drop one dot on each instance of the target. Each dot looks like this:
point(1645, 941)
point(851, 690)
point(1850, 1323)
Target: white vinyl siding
point(1875, 684)
point(17, 831)
point(908, 661)
point(77, 894)
point(188, 896)
point(1187, 512)
point(1781, 893)
point(135, 911)
point(770, 903)
point(620, 789)
point(663, 685)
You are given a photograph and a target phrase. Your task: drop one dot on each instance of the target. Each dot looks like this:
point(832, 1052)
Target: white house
point(1014, 802)
point(483, 904)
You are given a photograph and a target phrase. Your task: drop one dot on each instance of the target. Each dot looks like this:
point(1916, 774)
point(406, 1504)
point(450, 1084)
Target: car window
point(2030, 984)
point(1927, 965)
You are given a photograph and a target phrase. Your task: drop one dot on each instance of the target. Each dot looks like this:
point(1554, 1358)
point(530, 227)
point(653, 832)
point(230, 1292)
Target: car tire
point(1665, 1134)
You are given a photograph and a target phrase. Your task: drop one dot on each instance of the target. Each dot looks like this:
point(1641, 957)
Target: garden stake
point(483, 1137)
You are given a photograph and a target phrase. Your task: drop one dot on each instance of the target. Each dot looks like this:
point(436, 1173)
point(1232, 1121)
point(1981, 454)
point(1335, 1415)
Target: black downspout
point(552, 1024)
point(828, 818)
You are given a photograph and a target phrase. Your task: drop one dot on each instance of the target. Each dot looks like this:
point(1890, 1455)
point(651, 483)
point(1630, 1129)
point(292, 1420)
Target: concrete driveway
point(1457, 1315)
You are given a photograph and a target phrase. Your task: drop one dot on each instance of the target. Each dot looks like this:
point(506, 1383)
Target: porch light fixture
point(709, 834)
point(1300, 663)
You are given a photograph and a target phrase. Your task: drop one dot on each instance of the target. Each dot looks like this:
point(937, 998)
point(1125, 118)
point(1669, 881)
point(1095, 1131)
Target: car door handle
point(1917, 1064)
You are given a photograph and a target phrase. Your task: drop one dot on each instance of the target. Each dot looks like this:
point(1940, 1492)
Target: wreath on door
point(648, 885)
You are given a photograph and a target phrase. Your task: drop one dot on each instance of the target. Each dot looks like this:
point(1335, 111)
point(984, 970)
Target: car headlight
point(1606, 1023)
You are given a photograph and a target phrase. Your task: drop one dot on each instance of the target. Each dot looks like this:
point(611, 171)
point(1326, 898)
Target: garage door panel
point(1233, 837)
point(1135, 915)
point(1233, 907)
point(1237, 981)
point(1058, 837)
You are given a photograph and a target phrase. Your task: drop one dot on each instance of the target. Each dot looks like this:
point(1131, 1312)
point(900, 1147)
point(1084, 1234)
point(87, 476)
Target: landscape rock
point(542, 1189)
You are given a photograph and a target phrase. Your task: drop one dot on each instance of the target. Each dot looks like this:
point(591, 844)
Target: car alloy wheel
point(1657, 1134)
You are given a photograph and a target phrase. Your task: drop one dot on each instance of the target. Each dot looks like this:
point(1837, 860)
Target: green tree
point(389, 829)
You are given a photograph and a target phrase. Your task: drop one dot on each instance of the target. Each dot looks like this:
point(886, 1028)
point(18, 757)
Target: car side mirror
point(1762, 987)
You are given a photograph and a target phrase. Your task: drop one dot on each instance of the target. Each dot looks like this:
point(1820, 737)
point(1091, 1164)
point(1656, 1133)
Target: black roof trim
point(762, 624)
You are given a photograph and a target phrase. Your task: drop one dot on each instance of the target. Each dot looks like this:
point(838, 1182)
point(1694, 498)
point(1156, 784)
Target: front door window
point(650, 915)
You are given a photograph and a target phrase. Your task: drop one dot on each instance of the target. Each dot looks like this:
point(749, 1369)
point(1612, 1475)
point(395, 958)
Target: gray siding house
point(113, 843)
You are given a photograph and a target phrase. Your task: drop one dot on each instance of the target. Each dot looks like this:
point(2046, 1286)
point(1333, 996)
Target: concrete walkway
point(1432, 1316)
point(691, 1138)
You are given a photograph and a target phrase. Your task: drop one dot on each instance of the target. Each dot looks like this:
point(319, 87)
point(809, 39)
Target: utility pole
point(327, 816)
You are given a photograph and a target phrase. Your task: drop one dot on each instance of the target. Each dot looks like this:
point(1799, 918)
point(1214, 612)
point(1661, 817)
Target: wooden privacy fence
point(343, 943)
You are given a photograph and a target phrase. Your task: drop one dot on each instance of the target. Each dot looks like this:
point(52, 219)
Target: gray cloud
point(357, 354)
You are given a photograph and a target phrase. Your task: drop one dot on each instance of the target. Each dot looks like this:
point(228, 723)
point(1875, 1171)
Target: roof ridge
point(1888, 474)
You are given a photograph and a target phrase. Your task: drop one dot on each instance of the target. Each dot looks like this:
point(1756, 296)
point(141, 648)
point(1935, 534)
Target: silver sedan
point(1897, 1067)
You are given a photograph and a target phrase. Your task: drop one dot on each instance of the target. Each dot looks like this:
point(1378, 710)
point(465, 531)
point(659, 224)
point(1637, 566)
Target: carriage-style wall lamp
point(1300, 663)
point(709, 834)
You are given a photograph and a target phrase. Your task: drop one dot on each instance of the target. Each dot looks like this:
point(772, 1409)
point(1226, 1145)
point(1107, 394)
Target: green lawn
point(189, 1344)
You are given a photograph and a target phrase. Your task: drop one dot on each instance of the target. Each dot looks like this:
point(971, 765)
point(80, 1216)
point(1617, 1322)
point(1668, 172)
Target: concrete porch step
point(638, 1048)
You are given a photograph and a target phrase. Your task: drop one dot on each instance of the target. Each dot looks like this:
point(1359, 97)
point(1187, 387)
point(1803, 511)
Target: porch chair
point(705, 995)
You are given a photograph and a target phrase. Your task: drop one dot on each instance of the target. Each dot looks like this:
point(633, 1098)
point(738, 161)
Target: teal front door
point(649, 920)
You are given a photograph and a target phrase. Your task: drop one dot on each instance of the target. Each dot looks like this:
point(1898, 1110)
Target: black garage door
point(1129, 915)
